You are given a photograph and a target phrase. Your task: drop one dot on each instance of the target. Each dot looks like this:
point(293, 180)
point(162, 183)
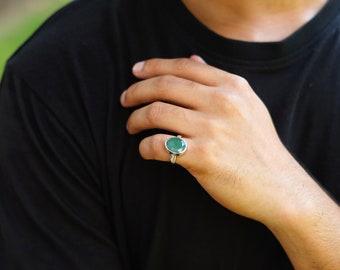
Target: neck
point(254, 20)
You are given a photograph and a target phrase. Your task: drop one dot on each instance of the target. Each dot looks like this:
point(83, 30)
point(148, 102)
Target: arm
point(242, 163)
point(52, 214)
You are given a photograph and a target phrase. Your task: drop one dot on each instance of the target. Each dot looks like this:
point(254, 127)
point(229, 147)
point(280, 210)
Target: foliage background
point(19, 19)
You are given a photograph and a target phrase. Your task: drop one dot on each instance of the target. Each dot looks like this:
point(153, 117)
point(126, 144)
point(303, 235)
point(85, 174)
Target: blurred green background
point(19, 19)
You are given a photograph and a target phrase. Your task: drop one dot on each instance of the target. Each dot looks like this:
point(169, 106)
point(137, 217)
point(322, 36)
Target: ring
point(175, 146)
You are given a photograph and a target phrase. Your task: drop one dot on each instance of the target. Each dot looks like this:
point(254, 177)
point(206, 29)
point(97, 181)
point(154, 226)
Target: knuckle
point(239, 83)
point(220, 98)
point(182, 63)
point(164, 82)
point(154, 144)
point(230, 98)
point(132, 90)
point(189, 84)
point(154, 112)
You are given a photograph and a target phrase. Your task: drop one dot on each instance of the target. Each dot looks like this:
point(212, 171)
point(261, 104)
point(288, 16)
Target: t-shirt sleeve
point(52, 213)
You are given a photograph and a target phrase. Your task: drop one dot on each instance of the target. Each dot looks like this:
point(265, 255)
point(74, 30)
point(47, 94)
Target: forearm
point(308, 227)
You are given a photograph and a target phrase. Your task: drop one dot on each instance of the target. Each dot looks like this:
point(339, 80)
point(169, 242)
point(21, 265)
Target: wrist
point(307, 225)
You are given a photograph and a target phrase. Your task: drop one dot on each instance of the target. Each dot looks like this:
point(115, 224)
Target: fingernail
point(138, 67)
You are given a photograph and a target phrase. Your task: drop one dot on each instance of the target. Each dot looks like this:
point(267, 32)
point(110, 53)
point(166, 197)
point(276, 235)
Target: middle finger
point(161, 115)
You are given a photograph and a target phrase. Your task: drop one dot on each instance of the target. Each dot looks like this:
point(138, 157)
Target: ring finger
point(153, 147)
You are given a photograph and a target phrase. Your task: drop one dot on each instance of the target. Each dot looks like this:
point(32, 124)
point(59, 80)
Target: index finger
point(185, 68)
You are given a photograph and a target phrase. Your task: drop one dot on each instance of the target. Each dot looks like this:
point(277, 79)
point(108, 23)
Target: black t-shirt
point(74, 191)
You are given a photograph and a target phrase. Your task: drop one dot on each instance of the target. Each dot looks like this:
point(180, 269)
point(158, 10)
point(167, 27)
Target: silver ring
point(176, 146)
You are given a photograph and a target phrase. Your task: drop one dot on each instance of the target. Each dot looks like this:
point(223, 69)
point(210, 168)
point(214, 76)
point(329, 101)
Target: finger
point(186, 68)
point(197, 59)
point(166, 88)
point(153, 147)
point(159, 115)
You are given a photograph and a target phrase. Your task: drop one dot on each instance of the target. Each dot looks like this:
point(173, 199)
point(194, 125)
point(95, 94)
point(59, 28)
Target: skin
point(243, 164)
point(254, 20)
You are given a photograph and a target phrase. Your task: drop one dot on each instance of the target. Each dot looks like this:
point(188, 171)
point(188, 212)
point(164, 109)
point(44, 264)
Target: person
point(242, 96)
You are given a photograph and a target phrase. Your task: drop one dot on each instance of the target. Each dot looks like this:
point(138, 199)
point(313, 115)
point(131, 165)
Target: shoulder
point(67, 63)
point(86, 35)
point(72, 51)
point(78, 27)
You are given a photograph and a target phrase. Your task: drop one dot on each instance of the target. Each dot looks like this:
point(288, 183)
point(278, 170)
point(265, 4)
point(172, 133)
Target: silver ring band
point(173, 158)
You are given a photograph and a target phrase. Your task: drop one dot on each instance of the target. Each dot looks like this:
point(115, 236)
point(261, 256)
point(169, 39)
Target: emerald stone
point(176, 145)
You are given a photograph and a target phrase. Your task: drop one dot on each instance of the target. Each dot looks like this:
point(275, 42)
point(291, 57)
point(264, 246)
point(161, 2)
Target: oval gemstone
point(176, 145)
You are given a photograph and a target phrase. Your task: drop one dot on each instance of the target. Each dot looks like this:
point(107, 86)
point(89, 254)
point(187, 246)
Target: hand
point(233, 149)
point(235, 153)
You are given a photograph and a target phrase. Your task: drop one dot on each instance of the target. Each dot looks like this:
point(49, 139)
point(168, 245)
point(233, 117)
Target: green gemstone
point(176, 145)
